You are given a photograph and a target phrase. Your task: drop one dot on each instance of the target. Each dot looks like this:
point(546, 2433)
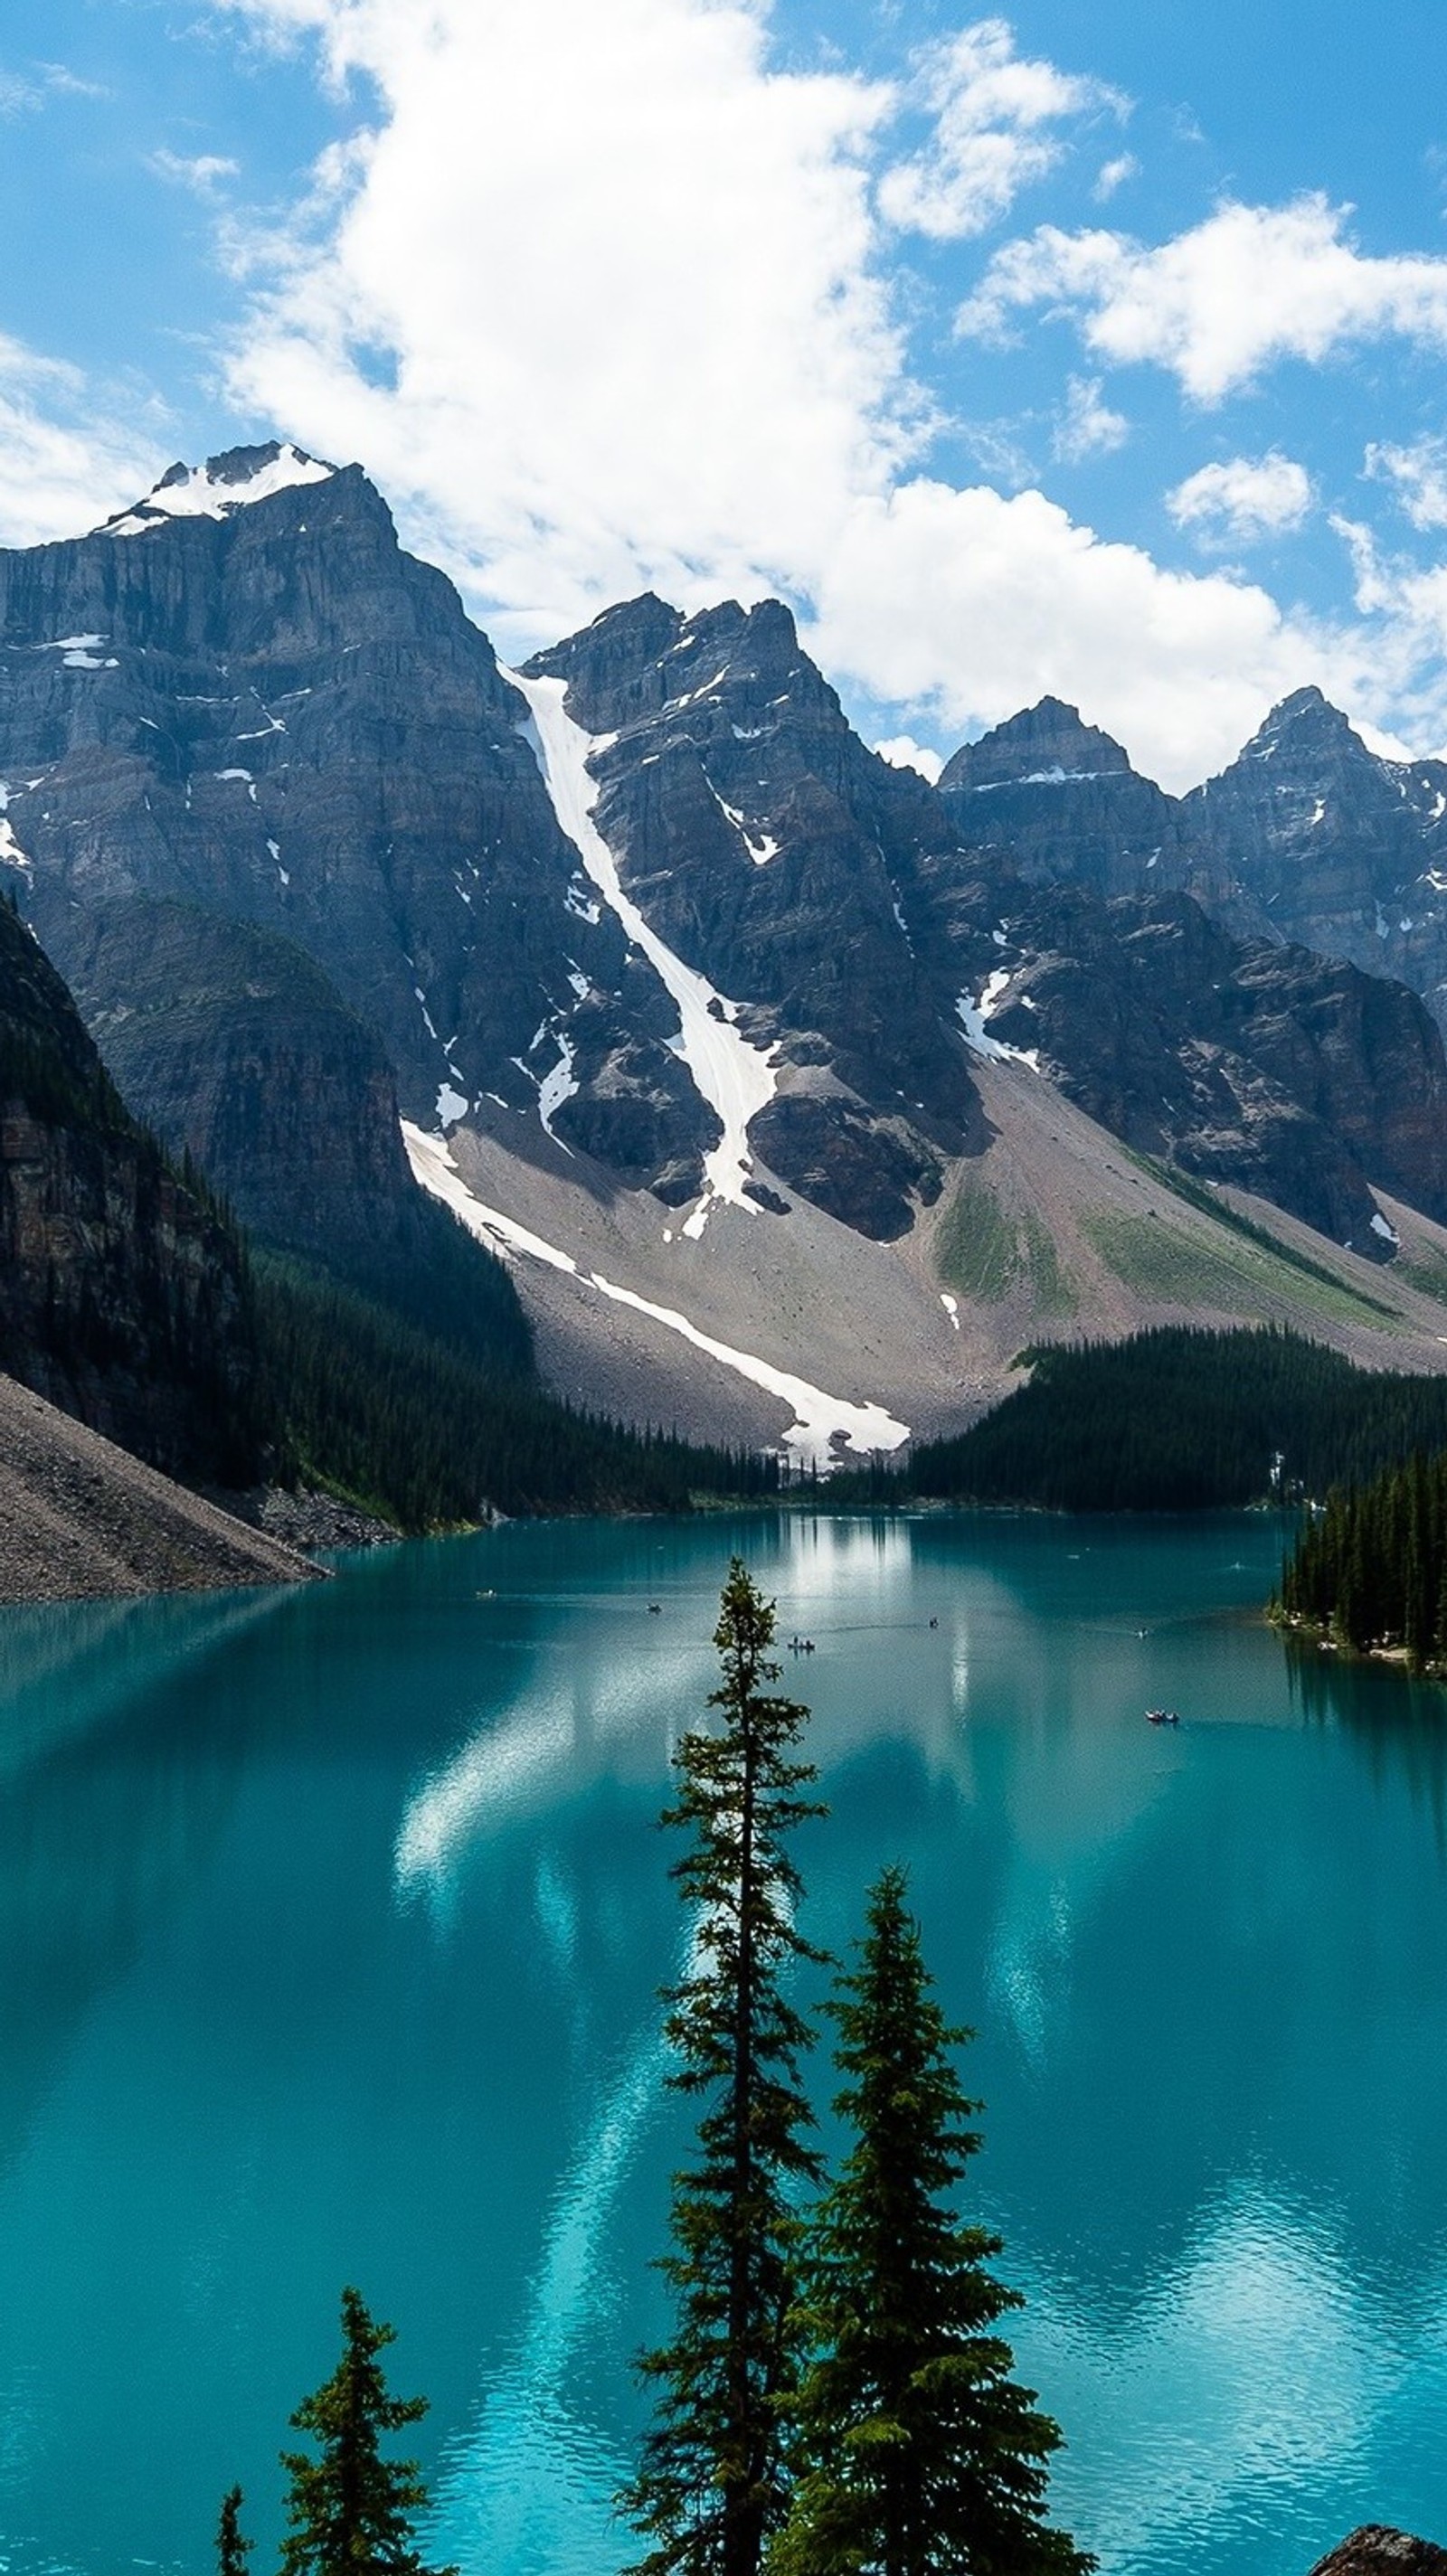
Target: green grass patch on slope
point(1159, 1260)
point(1209, 1202)
point(982, 1255)
point(1426, 1270)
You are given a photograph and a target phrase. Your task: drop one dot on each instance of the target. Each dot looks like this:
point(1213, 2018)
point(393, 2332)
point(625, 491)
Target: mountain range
point(799, 1093)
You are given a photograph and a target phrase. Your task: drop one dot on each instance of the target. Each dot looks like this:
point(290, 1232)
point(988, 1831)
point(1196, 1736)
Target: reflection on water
point(332, 1927)
point(1401, 1724)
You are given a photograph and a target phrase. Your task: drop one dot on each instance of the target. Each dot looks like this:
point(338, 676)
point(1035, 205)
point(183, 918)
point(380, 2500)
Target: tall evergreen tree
point(712, 2482)
point(350, 2511)
point(918, 2451)
point(232, 2551)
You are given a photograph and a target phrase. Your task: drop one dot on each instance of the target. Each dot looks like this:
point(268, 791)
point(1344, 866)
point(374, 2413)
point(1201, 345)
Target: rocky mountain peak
point(1305, 728)
point(1046, 744)
point(644, 659)
point(231, 481)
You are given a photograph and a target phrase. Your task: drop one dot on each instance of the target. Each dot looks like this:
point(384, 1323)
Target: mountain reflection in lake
point(332, 1926)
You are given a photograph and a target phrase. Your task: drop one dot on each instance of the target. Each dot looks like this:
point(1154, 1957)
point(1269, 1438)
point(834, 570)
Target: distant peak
point(1304, 725)
point(1046, 743)
point(633, 631)
point(225, 483)
point(1304, 711)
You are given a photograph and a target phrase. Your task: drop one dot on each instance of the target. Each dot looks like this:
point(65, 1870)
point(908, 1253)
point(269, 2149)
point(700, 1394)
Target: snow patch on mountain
point(221, 485)
point(760, 850)
point(556, 1087)
point(736, 1079)
point(974, 1015)
point(824, 1426)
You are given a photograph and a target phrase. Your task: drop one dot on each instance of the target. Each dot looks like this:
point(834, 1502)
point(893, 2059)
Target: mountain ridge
point(656, 950)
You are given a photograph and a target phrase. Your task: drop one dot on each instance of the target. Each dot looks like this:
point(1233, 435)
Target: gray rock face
point(1280, 1071)
point(1308, 836)
point(781, 858)
point(1316, 839)
point(1060, 800)
point(122, 1298)
point(232, 1045)
point(1377, 2550)
point(278, 715)
point(243, 704)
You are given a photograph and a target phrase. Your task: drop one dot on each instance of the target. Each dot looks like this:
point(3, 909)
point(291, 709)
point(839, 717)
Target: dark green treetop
point(917, 2451)
point(350, 2512)
point(712, 2483)
point(232, 2551)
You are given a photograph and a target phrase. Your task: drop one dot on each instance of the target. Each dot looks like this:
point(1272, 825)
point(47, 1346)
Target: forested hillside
point(1180, 1420)
point(410, 1416)
point(1373, 1568)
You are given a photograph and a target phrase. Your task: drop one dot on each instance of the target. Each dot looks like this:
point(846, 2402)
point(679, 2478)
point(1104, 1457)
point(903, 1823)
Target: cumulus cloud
point(599, 297)
point(1249, 286)
point(67, 457)
point(1087, 426)
point(1011, 599)
point(1242, 498)
point(903, 752)
point(1418, 475)
point(996, 115)
point(617, 274)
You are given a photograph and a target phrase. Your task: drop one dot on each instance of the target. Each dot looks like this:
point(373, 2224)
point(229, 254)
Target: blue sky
point(1100, 349)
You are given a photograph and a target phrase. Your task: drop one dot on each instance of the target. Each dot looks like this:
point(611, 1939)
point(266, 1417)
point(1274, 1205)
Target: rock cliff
point(233, 1046)
point(122, 1293)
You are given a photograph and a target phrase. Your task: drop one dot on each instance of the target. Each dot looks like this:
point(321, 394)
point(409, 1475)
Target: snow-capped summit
point(231, 481)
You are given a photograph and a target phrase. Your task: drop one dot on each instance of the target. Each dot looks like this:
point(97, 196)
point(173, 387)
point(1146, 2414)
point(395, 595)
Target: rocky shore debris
point(80, 1518)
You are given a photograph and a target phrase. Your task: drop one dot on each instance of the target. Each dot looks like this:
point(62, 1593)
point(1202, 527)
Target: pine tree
point(350, 2511)
point(917, 2450)
point(712, 2483)
point(232, 2551)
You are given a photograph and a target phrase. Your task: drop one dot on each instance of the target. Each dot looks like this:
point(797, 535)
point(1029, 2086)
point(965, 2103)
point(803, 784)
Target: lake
point(332, 1927)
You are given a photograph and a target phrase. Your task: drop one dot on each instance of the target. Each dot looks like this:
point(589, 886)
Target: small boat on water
point(1162, 1717)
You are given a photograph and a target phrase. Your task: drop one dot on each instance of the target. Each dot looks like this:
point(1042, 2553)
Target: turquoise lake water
point(332, 1923)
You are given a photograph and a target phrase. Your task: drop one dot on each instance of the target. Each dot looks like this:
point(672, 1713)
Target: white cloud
point(1087, 426)
point(21, 93)
point(202, 171)
point(971, 606)
point(1243, 498)
point(1419, 474)
point(903, 752)
point(597, 296)
point(621, 274)
point(68, 454)
point(1113, 175)
point(994, 114)
point(1251, 285)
